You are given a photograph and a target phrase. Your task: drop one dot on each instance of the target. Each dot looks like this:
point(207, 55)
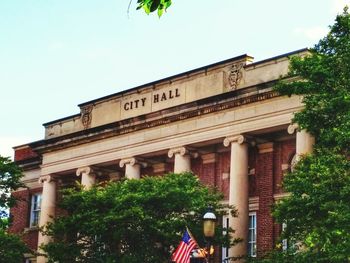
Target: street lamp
point(209, 220)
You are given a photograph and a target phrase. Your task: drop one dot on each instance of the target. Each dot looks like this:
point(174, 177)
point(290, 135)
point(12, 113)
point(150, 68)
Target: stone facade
point(224, 122)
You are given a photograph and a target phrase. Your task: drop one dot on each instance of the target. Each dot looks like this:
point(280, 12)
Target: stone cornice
point(199, 108)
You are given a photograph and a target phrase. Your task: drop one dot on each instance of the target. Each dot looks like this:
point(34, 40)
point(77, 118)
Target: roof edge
point(166, 79)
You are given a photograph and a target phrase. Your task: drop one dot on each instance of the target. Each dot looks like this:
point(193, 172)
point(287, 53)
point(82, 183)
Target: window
point(35, 210)
point(252, 235)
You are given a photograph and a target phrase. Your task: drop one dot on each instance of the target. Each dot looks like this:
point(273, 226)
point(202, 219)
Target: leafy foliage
point(150, 6)
point(10, 175)
point(11, 246)
point(132, 220)
point(317, 212)
point(324, 84)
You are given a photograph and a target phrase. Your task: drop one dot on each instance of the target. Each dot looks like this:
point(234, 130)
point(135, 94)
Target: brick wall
point(264, 174)
point(24, 153)
point(252, 155)
point(223, 172)
point(20, 217)
point(20, 212)
point(283, 154)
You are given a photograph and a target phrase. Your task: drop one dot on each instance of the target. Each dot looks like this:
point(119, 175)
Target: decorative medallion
point(86, 116)
point(235, 75)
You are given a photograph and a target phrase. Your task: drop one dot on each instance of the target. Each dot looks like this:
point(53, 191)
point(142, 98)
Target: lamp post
point(209, 220)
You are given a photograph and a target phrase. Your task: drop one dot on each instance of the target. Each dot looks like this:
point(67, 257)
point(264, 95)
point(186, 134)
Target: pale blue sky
point(55, 54)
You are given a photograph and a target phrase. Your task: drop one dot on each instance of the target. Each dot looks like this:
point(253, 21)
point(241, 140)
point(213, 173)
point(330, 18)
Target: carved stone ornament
point(84, 170)
point(178, 150)
point(237, 138)
point(292, 128)
point(235, 75)
point(86, 116)
point(132, 161)
point(46, 178)
point(182, 151)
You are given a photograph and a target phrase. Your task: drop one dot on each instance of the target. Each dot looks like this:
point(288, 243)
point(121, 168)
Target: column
point(88, 177)
point(304, 140)
point(182, 162)
point(48, 206)
point(239, 194)
point(132, 167)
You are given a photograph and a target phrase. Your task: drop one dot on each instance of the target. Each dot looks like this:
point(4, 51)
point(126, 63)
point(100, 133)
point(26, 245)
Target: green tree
point(11, 246)
point(150, 6)
point(10, 180)
point(317, 212)
point(132, 220)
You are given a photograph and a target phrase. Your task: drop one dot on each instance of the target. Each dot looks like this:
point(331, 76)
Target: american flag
point(183, 251)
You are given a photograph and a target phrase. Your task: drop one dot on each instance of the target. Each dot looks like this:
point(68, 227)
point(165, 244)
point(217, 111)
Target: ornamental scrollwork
point(86, 116)
point(235, 75)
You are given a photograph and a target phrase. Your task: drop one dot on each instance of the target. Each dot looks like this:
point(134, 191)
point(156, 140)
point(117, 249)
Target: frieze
point(128, 126)
point(155, 98)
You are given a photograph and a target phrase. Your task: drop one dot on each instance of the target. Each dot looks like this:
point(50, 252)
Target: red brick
point(24, 154)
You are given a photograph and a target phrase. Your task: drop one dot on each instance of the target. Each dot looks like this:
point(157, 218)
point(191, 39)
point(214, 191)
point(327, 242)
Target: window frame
point(35, 209)
point(252, 244)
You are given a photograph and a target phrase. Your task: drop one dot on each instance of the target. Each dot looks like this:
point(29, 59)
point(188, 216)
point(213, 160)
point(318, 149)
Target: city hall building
point(224, 122)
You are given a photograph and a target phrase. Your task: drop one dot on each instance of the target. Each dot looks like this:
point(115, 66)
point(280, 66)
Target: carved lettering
point(177, 93)
point(126, 106)
point(171, 94)
point(163, 97)
point(134, 104)
point(155, 98)
point(137, 103)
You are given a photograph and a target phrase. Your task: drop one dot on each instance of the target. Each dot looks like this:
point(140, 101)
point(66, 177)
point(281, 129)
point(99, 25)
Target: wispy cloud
point(312, 33)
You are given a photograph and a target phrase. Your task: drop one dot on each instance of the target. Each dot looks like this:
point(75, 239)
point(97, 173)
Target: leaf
point(155, 5)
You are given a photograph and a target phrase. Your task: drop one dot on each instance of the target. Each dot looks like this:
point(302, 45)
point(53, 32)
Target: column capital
point(47, 178)
point(236, 138)
point(85, 170)
point(292, 128)
point(177, 150)
point(131, 161)
point(182, 150)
